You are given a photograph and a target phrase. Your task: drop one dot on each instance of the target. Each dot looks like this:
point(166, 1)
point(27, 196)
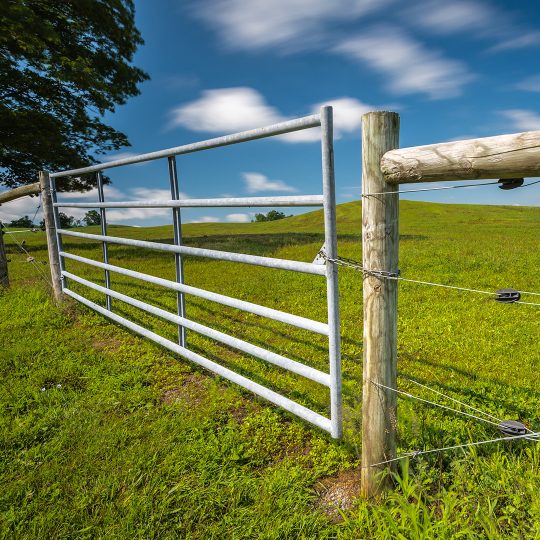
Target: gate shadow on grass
point(250, 244)
point(495, 399)
point(280, 380)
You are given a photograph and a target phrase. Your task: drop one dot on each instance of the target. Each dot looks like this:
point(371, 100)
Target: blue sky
point(452, 69)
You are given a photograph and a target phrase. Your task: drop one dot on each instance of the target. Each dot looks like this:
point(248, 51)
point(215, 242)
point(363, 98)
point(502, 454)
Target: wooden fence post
point(50, 229)
point(380, 241)
point(4, 276)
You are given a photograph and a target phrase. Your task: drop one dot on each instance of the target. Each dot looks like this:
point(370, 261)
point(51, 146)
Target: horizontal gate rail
point(260, 133)
point(249, 348)
point(269, 313)
point(270, 395)
point(231, 202)
point(269, 262)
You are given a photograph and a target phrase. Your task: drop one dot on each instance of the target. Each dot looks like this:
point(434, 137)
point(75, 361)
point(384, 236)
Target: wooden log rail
point(12, 194)
point(504, 156)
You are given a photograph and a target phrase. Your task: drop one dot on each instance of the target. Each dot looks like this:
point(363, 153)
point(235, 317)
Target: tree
point(24, 222)
point(63, 64)
point(92, 217)
point(66, 221)
point(270, 216)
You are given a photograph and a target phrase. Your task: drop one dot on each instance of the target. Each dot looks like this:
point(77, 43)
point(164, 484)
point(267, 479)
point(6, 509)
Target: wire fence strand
point(435, 404)
point(31, 258)
point(439, 188)
point(535, 436)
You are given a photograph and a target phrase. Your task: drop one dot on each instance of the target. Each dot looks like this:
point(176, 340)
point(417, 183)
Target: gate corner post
point(380, 241)
point(51, 232)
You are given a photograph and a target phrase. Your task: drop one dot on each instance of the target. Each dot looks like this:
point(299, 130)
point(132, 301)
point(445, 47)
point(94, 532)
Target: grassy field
point(105, 435)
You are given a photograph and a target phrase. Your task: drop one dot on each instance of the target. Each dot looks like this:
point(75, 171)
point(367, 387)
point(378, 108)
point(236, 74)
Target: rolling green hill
point(136, 442)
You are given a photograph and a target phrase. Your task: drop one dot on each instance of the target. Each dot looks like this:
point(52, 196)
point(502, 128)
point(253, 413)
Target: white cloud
point(289, 25)
point(408, 65)
point(443, 17)
point(142, 194)
point(110, 192)
point(522, 119)
point(227, 110)
point(347, 113)
point(476, 19)
point(517, 41)
point(122, 215)
point(25, 206)
point(206, 219)
point(119, 155)
point(238, 218)
point(257, 182)
point(150, 194)
point(531, 84)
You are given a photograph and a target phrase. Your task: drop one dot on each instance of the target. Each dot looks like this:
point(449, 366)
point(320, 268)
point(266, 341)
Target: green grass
point(105, 435)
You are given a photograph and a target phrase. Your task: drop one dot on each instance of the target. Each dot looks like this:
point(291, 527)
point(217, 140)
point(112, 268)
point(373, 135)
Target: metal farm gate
point(332, 379)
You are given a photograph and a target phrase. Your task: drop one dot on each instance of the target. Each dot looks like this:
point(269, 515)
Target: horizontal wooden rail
point(504, 156)
point(12, 194)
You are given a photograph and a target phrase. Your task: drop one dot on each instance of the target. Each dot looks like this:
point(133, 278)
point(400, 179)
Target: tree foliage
point(24, 222)
point(63, 64)
point(272, 215)
point(92, 217)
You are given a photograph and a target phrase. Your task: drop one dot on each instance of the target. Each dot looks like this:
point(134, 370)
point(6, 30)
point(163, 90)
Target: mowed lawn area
point(107, 435)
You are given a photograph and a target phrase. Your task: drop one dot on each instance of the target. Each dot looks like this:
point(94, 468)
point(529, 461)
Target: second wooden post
point(4, 276)
point(52, 239)
point(380, 241)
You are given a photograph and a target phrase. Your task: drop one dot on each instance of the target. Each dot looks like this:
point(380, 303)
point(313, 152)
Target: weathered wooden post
point(50, 229)
point(380, 241)
point(4, 276)
point(5, 197)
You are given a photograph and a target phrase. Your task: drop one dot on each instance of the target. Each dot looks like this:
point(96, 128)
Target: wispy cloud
point(286, 25)
point(443, 17)
point(517, 41)
point(226, 110)
point(27, 205)
point(407, 64)
point(522, 119)
point(110, 193)
point(142, 194)
point(206, 219)
point(530, 84)
point(238, 218)
point(119, 155)
point(257, 183)
point(475, 18)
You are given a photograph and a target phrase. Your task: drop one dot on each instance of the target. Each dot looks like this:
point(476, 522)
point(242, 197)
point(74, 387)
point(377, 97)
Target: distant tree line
point(273, 215)
point(91, 217)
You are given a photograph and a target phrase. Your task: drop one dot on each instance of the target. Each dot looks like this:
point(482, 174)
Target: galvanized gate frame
point(332, 380)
